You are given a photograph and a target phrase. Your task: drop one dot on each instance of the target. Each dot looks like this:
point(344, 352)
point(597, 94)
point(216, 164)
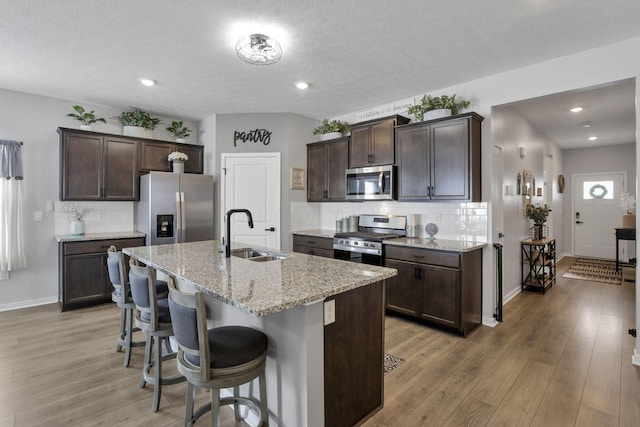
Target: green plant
point(331, 126)
point(428, 103)
point(179, 131)
point(87, 118)
point(538, 214)
point(137, 117)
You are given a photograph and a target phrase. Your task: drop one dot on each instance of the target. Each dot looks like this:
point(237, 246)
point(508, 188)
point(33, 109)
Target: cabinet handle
point(325, 194)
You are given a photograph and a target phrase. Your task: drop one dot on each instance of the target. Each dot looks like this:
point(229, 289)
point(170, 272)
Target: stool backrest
point(189, 319)
point(143, 290)
point(116, 267)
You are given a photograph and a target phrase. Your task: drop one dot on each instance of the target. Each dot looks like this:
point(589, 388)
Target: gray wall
point(612, 158)
point(290, 134)
point(34, 119)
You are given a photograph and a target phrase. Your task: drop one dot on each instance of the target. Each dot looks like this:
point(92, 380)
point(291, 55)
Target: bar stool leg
point(191, 397)
point(264, 409)
point(147, 360)
point(129, 334)
point(157, 372)
point(215, 407)
point(123, 320)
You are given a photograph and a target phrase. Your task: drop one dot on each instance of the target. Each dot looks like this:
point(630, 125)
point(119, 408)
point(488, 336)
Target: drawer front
point(313, 251)
point(423, 256)
point(93, 246)
point(315, 242)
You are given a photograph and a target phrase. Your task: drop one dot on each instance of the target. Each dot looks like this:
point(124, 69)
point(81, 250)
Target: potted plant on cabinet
point(435, 107)
point(87, 118)
point(331, 129)
point(76, 214)
point(177, 159)
point(138, 123)
point(539, 215)
point(179, 131)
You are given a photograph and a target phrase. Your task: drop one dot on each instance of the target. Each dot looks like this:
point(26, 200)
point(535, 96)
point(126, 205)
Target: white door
point(596, 213)
point(252, 181)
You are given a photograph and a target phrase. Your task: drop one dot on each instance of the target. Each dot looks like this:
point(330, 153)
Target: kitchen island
point(324, 319)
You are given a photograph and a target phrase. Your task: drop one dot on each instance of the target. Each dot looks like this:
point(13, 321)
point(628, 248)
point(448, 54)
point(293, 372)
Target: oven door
point(354, 256)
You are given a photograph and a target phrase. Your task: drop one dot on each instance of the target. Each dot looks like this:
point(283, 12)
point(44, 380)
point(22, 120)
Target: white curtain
point(12, 253)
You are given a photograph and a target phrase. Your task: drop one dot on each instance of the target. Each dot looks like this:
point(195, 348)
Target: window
point(597, 190)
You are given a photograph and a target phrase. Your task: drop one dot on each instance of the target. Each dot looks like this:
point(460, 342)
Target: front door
point(252, 181)
point(596, 213)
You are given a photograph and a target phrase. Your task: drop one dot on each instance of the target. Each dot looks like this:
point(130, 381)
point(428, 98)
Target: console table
point(623, 234)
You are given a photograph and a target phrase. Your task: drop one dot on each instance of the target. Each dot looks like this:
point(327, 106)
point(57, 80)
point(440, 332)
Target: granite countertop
point(259, 288)
point(98, 236)
point(440, 244)
point(319, 232)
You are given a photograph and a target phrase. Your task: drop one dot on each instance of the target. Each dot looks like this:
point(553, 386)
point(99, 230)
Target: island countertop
point(259, 288)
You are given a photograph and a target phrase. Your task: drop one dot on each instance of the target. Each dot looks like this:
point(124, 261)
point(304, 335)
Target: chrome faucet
point(227, 244)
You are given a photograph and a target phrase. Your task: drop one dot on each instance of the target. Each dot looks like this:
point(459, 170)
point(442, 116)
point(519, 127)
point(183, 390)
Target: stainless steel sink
point(257, 255)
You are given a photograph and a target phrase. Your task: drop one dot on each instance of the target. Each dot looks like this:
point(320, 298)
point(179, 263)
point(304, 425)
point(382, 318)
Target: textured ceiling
point(354, 54)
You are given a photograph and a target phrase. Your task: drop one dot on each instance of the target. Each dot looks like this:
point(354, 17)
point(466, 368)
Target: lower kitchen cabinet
point(441, 288)
point(319, 246)
point(83, 278)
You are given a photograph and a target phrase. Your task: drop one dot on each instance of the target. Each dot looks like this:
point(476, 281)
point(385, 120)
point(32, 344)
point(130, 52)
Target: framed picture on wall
point(297, 178)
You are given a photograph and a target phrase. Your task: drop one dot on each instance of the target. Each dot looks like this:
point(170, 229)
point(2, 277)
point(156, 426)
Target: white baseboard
point(489, 321)
point(28, 303)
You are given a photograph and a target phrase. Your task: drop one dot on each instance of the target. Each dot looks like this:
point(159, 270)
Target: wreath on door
point(598, 191)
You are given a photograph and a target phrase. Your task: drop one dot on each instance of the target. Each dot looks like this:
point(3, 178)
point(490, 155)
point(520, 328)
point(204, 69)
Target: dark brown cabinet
point(83, 278)
point(372, 142)
point(97, 167)
point(319, 246)
point(442, 288)
point(326, 163)
point(154, 156)
point(440, 159)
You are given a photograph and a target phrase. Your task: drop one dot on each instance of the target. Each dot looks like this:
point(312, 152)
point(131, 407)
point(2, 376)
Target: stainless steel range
point(365, 245)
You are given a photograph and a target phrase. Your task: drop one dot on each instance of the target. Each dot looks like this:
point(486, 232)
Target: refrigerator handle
point(178, 215)
point(183, 214)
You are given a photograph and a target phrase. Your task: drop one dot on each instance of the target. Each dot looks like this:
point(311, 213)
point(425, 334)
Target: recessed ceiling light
point(302, 85)
point(586, 124)
point(147, 82)
point(576, 109)
point(593, 138)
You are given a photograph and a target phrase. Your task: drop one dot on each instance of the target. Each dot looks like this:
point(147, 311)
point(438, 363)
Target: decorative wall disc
point(431, 229)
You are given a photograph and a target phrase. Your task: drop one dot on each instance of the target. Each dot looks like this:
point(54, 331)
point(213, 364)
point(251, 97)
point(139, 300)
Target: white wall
point(34, 119)
point(511, 131)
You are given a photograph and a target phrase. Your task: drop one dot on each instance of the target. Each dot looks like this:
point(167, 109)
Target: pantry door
point(252, 181)
point(597, 213)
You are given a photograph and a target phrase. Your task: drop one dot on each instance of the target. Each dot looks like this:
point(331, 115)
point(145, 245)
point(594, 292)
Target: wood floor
point(561, 359)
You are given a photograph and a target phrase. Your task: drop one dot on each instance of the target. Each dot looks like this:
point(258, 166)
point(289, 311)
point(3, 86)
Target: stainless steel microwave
point(370, 183)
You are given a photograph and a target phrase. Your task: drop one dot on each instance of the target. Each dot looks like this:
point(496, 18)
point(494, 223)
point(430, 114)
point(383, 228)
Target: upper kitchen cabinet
point(372, 142)
point(95, 166)
point(153, 156)
point(440, 159)
point(326, 163)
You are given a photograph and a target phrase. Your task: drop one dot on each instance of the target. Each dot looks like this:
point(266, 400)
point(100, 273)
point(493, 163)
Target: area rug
point(391, 362)
point(596, 270)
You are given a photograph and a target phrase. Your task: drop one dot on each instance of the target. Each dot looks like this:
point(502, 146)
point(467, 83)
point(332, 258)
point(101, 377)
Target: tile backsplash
point(103, 217)
point(455, 221)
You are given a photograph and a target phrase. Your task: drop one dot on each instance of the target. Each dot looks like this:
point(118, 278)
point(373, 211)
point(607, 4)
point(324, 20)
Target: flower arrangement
point(538, 214)
point(76, 212)
point(628, 203)
point(177, 156)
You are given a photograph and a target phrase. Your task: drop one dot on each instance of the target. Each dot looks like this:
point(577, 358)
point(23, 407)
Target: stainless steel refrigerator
point(175, 207)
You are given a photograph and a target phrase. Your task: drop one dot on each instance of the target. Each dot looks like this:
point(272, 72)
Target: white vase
point(179, 140)
point(76, 227)
point(86, 127)
point(137, 131)
point(330, 135)
point(178, 167)
point(436, 114)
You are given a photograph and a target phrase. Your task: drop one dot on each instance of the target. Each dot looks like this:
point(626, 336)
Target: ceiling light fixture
point(258, 49)
point(302, 85)
point(586, 124)
point(593, 138)
point(576, 109)
point(147, 82)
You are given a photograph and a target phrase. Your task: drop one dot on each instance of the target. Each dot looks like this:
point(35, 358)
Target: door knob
point(579, 222)
point(270, 229)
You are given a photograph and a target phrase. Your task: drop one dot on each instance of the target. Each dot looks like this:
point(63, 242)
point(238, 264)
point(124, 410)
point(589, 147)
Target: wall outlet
point(329, 312)
point(38, 216)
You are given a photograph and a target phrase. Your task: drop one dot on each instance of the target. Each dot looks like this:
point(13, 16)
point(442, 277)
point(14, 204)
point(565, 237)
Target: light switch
point(329, 312)
point(49, 205)
point(38, 216)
